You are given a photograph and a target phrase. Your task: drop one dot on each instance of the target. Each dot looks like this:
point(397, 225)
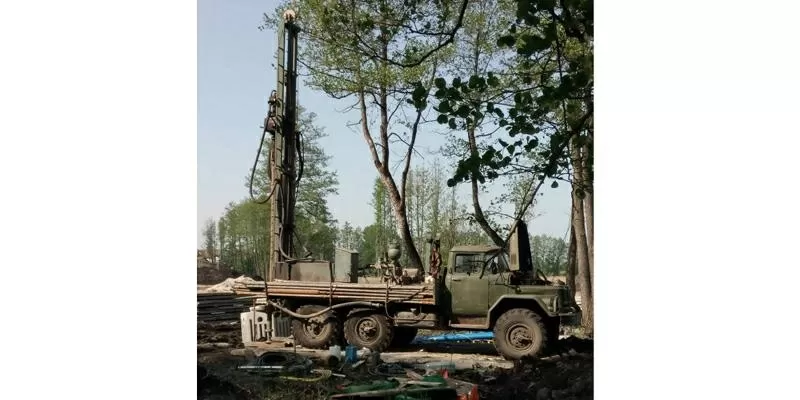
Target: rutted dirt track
point(564, 374)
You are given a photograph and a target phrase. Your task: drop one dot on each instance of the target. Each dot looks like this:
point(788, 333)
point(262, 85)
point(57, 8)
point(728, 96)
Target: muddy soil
point(220, 332)
point(565, 374)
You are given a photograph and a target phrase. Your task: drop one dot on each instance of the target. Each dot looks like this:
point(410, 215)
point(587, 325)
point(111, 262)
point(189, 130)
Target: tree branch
point(450, 37)
point(367, 135)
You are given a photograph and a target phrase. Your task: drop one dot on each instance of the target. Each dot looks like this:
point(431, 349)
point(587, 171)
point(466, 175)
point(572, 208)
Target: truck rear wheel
point(519, 333)
point(368, 329)
point(315, 333)
point(403, 336)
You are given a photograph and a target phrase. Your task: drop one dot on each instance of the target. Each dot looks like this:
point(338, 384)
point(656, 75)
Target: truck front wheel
point(368, 329)
point(519, 333)
point(318, 332)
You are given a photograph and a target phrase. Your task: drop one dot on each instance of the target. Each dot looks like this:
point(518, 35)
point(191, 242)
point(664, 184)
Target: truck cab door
point(497, 273)
point(469, 293)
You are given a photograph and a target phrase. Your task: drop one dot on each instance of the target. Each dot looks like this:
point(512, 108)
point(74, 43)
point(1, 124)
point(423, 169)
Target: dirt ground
point(564, 373)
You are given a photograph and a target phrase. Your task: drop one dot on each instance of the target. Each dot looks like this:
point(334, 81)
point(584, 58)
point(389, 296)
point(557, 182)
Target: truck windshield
point(473, 263)
point(497, 263)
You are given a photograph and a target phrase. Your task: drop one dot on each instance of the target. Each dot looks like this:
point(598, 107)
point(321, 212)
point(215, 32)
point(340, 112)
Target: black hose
point(300, 146)
point(282, 251)
point(318, 313)
point(273, 184)
point(255, 165)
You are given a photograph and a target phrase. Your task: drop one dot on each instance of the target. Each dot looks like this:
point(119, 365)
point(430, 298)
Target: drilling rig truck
point(478, 288)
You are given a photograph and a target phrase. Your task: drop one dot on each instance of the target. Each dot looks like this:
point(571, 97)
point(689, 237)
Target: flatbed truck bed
point(338, 292)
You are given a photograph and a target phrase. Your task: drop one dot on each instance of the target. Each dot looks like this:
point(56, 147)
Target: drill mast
point(281, 123)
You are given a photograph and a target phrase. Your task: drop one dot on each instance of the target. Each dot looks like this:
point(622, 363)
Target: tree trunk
point(382, 166)
point(582, 250)
point(480, 218)
point(588, 205)
point(588, 213)
point(572, 259)
point(399, 212)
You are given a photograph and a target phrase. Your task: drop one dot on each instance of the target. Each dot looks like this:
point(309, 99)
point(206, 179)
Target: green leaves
point(506, 41)
point(476, 82)
point(463, 111)
point(452, 123)
point(419, 97)
point(531, 145)
point(541, 99)
point(532, 44)
point(488, 154)
point(492, 80)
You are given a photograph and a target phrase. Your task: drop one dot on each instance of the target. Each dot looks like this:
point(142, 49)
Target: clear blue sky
point(234, 77)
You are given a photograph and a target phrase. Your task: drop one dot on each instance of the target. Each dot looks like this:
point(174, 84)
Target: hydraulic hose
point(318, 313)
point(253, 171)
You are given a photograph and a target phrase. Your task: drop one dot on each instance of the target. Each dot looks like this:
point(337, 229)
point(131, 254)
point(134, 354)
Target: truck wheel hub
point(520, 336)
point(367, 329)
point(315, 327)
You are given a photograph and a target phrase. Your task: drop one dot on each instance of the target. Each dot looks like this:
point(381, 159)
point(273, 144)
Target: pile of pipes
point(365, 292)
point(214, 307)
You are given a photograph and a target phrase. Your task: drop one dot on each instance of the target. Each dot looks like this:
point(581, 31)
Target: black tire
point(519, 333)
point(403, 336)
point(368, 329)
point(318, 333)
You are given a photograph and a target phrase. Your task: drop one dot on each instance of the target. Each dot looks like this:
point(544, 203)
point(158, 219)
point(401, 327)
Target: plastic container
point(351, 354)
point(435, 368)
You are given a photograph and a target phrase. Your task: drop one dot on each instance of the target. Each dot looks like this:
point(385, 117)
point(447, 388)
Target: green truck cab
point(484, 290)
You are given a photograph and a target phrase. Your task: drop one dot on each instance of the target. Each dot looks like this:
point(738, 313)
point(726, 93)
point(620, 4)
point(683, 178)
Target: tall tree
point(384, 226)
point(476, 54)
point(315, 225)
point(350, 238)
point(210, 238)
point(243, 237)
point(582, 256)
point(369, 251)
point(549, 254)
point(572, 257)
point(435, 210)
